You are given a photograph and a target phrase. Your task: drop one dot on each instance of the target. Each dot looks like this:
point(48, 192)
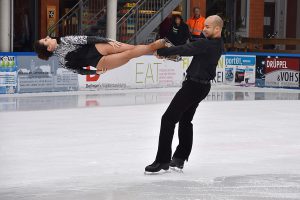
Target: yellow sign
point(51, 18)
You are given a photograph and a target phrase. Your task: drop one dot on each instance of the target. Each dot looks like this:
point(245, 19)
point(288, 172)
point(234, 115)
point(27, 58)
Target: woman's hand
point(115, 44)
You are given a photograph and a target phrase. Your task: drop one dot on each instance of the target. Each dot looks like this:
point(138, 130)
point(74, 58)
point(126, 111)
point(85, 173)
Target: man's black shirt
point(206, 54)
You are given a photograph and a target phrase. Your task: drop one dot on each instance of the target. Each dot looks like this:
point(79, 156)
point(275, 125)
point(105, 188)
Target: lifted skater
point(77, 52)
point(194, 89)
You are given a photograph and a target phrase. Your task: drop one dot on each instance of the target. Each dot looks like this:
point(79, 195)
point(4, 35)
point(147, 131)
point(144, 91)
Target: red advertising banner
point(282, 72)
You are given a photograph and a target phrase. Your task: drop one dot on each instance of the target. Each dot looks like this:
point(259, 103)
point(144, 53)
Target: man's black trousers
point(181, 109)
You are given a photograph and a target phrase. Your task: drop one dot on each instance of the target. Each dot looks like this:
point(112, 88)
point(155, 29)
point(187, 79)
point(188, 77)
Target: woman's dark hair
point(42, 51)
point(177, 16)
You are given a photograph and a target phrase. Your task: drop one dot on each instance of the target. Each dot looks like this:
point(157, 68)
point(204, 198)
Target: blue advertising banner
point(8, 74)
point(239, 70)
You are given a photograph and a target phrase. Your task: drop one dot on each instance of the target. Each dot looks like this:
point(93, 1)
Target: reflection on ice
point(132, 97)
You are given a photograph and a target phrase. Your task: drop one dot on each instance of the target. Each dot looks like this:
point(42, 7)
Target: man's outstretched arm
point(189, 49)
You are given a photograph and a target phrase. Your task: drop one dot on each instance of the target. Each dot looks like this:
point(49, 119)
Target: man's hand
point(157, 56)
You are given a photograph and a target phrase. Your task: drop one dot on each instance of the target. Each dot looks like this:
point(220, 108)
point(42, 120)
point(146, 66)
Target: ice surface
point(242, 149)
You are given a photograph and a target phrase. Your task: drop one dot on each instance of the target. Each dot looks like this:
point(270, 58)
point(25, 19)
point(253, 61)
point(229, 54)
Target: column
point(111, 23)
point(5, 25)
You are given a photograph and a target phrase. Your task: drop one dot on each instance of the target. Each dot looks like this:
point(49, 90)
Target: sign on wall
point(275, 71)
point(8, 74)
point(142, 72)
point(52, 18)
point(36, 75)
point(236, 70)
point(282, 72)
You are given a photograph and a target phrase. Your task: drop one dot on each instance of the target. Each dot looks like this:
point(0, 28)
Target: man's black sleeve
point(189, 49)
point(186, 32)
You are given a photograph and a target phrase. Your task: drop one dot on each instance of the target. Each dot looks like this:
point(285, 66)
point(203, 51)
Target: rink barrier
point(277, 70)
point(24, 72)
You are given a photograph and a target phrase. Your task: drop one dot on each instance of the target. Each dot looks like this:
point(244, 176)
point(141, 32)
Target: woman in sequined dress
point(77, 52)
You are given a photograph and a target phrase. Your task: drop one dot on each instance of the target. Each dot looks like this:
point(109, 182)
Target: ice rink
point(95, 146)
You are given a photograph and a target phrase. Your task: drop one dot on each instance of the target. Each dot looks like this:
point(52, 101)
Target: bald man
point(206, 53)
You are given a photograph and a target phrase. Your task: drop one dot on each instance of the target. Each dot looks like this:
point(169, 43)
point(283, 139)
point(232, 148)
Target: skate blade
point(176, 169)
point(162, 171)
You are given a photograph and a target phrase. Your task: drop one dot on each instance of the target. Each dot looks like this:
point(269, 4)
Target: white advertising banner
point(142, 72)
point(150, 72)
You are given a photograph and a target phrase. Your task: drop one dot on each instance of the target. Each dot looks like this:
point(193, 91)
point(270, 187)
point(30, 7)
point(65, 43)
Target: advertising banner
point(142, 72)
point(235, 70)
point(220, 72)
point(26, 73)
point(275, 71)
point(37, 75)
point(8, 74)
point(282, 72)
point(239, 70)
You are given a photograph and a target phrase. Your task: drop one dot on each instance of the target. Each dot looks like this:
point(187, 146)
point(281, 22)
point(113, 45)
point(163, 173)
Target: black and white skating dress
point(77, 52)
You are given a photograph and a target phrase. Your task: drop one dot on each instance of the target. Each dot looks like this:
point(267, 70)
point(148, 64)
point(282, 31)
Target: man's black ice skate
point(157, 168)
point(177, 164)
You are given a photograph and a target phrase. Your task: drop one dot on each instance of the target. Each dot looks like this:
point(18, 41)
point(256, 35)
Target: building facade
point(24, 21)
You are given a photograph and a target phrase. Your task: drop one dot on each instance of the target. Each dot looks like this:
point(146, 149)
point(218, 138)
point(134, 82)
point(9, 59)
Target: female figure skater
point(77, 52)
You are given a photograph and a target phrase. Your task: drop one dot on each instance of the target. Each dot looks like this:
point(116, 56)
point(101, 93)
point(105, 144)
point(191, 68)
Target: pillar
point(6, 22)
point(111, 24)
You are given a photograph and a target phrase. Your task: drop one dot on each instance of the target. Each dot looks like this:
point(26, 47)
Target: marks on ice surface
point(172, 187)
point(254, 187)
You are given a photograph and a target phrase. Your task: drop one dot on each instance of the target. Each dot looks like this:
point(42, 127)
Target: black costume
point(194, 89)
point(76, 52)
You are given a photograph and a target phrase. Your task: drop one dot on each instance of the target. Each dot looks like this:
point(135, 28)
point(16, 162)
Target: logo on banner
point(240, 60)
point(92, 78)
point(274, 64)
point(7, 61)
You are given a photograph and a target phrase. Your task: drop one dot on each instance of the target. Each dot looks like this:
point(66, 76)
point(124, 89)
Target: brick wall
point(198, 3)
point(256, 21)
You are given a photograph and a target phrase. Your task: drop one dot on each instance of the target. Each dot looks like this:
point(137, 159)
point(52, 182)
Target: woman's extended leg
point(107, 49)
point(116, 60)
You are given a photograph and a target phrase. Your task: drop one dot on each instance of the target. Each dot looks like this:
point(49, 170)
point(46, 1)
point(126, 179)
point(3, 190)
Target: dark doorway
point(269, 19)
point(25, 24)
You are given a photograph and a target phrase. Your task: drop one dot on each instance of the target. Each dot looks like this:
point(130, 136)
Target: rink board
point(25, 73)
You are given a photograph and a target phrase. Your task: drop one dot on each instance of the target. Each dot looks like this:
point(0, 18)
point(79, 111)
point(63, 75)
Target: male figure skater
point(194, 89)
